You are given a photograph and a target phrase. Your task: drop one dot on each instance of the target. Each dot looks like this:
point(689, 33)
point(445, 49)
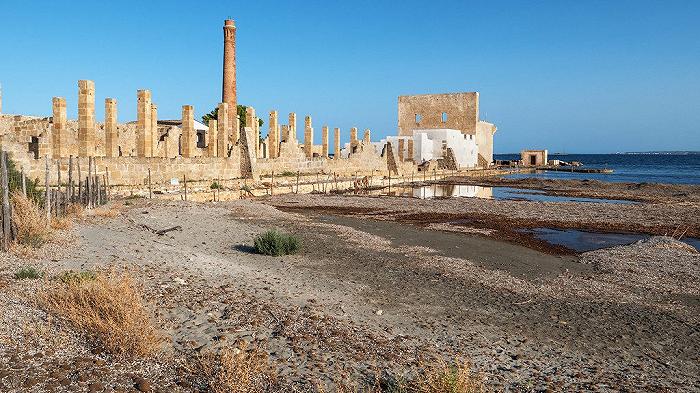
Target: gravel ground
point(366, 295)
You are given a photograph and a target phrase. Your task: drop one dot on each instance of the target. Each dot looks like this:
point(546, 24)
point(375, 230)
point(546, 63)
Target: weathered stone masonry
point(86, 118)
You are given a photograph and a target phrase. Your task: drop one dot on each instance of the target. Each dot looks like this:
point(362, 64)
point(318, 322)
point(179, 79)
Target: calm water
point(501, 193)
point(582, 241)
point(637, 168)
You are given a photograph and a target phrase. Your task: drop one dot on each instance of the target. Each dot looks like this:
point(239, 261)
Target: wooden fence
point(90, 190)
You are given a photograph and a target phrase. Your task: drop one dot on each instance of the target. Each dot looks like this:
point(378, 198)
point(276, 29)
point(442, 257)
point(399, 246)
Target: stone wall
point(134, 170)
point(457, 111)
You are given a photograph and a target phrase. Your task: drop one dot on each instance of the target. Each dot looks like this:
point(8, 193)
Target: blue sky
point(574, 76)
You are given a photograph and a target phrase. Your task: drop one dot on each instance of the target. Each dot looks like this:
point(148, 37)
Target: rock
point(379, 312)
point(142, 385)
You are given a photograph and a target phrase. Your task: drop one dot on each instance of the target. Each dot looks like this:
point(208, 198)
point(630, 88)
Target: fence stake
point(47, 202)
point(97, 190)
point(104, 185)
point(150, 190)
point(297, 182)
point(80, 183)
point(185, 176)
point(70, 178)
point(24, 183)
point(6, 238)
point(88, 185)
point(272, 184)
point(108, 187)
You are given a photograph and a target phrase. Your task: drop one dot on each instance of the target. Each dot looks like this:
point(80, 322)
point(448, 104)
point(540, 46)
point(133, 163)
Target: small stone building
point(533, 157)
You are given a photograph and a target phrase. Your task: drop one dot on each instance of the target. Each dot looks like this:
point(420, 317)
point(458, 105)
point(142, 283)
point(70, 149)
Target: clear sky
point(574, 76)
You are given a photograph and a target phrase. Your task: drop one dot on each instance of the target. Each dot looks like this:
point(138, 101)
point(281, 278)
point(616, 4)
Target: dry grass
point(435, 377)
point(442, 377)
point(62, 223)
point(75, 210)
point(31, 224)
point(105, 211)
point(107, 308)
point(237, 370)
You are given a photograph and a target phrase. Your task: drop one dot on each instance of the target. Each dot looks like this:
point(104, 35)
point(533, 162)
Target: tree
point(240, 109)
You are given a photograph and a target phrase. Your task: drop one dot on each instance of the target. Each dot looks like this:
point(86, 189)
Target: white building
point(433, 143)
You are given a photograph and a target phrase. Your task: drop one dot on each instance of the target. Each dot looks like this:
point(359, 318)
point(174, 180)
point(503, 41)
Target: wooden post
point(70, 178)
point(389, 182)
point(97, 191)
point(24, 183)
point(272, 184)
point(6, 220)
point(47, 202)
point(59, 198)
point(150, 189)
point(185, 176)
point(297, 182)
point(80, 183)
point(88, 184)
point(108, 189)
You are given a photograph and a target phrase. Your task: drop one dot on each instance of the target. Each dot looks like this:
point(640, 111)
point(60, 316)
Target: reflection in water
point(451, 190)
point(469, 191)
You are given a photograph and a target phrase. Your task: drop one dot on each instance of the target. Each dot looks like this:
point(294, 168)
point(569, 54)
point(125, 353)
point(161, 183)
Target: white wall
point(427, 145)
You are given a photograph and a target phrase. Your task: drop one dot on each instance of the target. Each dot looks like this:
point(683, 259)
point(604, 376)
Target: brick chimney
point(228, 89)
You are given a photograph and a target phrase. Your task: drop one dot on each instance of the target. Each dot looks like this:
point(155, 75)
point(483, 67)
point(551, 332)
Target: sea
point(672, 168)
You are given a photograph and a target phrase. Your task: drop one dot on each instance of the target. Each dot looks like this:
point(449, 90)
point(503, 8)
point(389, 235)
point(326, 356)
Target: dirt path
point(364, 293)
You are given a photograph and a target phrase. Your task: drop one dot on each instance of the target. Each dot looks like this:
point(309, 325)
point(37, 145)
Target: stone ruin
point(169, 150)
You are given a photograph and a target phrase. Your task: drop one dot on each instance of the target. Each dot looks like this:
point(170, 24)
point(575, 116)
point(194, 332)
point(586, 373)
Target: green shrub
point(28, 272)
point(71, 277)
point(216, 186)
point(287, 174)
point(276, 244)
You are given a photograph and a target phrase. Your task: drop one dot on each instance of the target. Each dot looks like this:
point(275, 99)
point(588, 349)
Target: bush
point(14, 178)
point(71, 277)
point(28, 272)
point(276, 244)
point(31, 224)
point(108, 309)
point(216, 186)
point(237, 370)
point(442, 377)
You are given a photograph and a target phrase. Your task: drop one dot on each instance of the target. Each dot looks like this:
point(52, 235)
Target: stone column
point(284, 133)
point(353, 136)
point(336, 143)
point(292, 136)
point(143, 123)
point(86, 118)
point(235, 132)
point(409, 149)
point(308, 137)
point(212, 138)
point(222, 133)
point(273, 135)
point(59, 134)
point(188, 133)
point(258, 147)
point(155, 135)
point(111, 135)
point(367, 139)
point(324, 141)
point(228, 88)
point(250, 122)
point(401, 149)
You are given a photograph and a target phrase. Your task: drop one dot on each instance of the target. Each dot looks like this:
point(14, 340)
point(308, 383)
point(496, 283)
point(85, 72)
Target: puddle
point(582, 241)
point(500, 193)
